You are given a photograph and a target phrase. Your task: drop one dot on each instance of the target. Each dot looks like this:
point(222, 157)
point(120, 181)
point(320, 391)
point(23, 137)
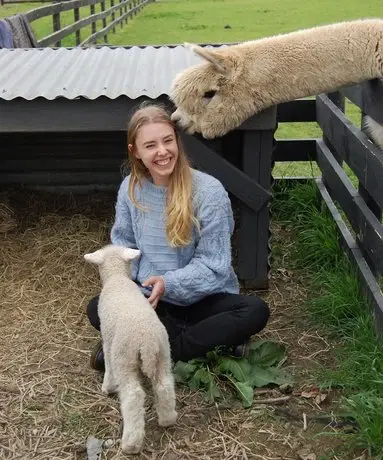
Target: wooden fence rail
point(125, 8)
point(362, 206)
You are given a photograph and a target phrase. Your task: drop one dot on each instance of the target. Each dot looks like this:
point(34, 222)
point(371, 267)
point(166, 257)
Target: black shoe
point(97, 358)
point(241, 350)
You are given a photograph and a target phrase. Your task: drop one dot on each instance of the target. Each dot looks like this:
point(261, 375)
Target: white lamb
point(238, 81)
point(134, 340)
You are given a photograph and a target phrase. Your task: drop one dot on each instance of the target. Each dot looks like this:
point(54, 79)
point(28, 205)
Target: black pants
point(219, 319)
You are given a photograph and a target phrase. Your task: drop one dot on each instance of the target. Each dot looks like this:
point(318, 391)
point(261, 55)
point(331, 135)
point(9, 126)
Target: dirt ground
point(51, 400)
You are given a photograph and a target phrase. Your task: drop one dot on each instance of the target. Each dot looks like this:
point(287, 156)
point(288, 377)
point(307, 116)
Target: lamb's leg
point(165, 395)
point(108, 385)
point(132, 398)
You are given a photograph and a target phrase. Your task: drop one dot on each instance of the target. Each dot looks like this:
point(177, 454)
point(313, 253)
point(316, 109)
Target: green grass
point(14, 8)
point(203, 21)
point(337, 308)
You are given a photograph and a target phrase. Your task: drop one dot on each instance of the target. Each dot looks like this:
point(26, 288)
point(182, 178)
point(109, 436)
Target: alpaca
point(238, 81)
point(134, 340)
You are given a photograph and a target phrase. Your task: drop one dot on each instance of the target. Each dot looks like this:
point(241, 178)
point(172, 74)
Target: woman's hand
point(158, 289)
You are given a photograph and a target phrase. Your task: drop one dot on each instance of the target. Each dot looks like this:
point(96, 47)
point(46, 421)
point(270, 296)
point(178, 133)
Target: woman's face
point(156, 146)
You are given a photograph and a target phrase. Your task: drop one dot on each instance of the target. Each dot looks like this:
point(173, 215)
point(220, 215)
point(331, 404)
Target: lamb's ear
point(130, 254)
point(96, 257)
point(220, 62)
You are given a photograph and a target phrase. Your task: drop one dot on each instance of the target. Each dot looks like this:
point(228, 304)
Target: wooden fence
point(357, 211)
point(124, 9)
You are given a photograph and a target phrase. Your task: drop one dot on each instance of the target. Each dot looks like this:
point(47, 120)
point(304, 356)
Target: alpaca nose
point(175, 116)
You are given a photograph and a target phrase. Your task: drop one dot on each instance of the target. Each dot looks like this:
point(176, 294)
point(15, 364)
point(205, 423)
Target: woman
point(181, 220)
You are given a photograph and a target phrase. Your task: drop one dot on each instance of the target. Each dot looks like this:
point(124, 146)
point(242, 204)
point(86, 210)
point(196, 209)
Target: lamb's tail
point(151, 356)
point(374, 130)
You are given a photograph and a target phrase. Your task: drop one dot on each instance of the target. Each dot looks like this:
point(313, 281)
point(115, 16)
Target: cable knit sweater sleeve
point(122, 230)
point(210, 267)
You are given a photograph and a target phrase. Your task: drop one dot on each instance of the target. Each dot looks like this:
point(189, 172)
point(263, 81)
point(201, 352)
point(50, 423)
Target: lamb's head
point(211, 98)
point(112, 259)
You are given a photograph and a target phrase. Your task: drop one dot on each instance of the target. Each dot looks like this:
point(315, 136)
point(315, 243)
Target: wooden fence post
point(56, 25)
point(338, 99)
point(94, 25)
point(113, 15)
point(125, 11)
point(375, 209)
point(76, 15)
point(104, 21)
point(254, 231)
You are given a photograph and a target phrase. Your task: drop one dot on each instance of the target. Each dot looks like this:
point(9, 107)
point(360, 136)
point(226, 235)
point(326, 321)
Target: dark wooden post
point(121, 13)
point(104, 21)
point(56, 25)
point(254, 231)
point(76, 14)
point(338, 99)
point(370, 90)
point(130, 9)
point(125, 11)
point(92, 11)
point(113, 15)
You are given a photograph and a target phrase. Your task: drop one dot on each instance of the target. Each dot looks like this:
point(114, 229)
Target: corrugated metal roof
point(91, 72)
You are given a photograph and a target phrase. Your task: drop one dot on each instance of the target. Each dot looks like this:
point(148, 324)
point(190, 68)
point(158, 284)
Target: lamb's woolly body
point(144, 337)
point(134, 340)
point(254, 75)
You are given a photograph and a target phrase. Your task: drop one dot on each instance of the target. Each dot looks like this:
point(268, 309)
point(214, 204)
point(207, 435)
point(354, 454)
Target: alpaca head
point(112, 260)
point(211, 97)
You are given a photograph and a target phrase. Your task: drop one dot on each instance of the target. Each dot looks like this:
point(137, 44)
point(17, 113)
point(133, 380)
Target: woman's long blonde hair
point(180, 219)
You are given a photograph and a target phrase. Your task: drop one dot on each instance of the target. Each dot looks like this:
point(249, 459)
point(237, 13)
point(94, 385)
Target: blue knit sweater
point(190, 272)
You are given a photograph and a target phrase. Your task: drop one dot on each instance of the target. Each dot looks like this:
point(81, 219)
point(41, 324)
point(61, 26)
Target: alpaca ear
point(130, 254)
point(96, 257)
point(221, 64)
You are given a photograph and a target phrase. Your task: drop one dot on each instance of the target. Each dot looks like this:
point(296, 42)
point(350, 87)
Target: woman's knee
point(92, 312)
point(256, 313)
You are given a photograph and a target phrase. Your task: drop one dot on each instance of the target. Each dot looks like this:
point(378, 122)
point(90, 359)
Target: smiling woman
point(156, 146)
point(182, 222)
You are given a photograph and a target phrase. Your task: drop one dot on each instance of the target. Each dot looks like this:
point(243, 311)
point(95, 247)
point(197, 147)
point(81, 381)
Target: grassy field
point(201, 21)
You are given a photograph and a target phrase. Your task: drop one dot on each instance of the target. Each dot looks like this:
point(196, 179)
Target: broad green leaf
point(244, 391)
point(266, 353)
point(183, 371)
point(200, 379)
point(240, 369)
point(262, 376)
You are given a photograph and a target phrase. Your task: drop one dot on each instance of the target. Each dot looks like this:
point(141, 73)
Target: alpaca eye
point(209, 94)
